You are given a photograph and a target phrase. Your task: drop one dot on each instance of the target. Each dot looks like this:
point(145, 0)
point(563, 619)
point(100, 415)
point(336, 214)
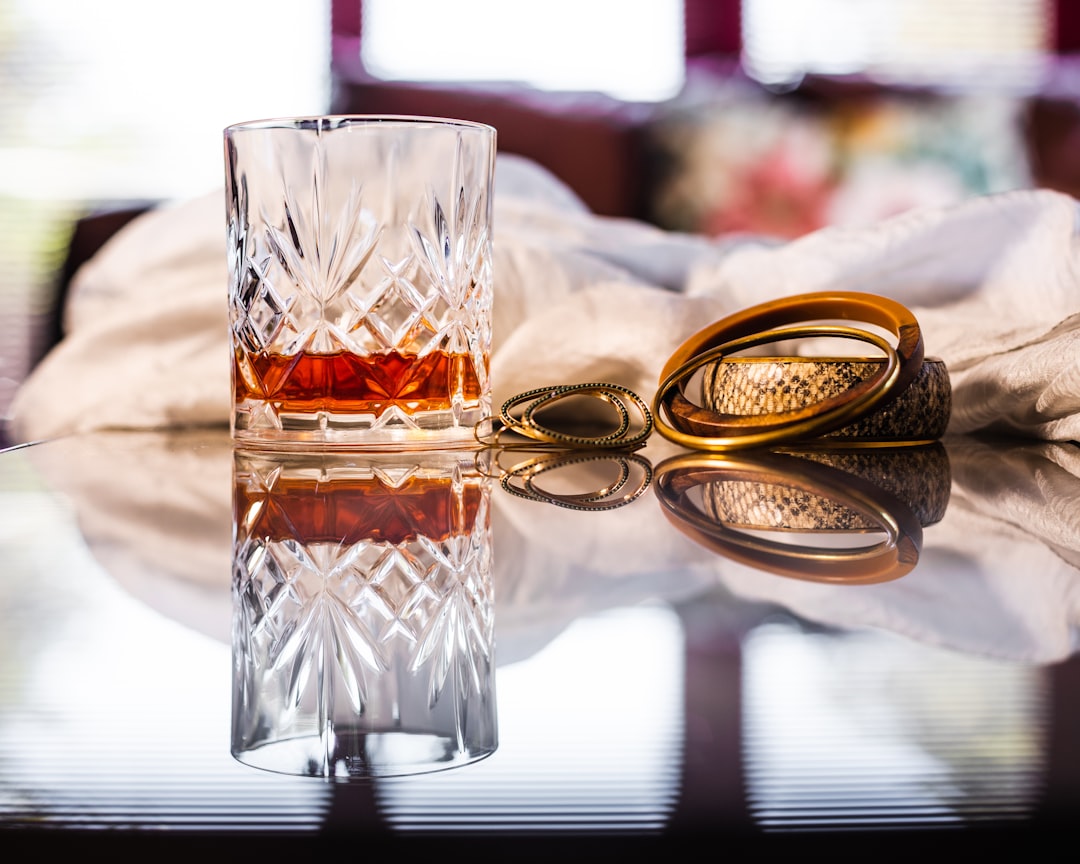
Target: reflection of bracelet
point(678, 479)
point(682, 421)
point(919, 476)
point(757, 386)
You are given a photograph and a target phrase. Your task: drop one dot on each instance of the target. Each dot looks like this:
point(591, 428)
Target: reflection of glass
point(363, 627)
point(807, 513)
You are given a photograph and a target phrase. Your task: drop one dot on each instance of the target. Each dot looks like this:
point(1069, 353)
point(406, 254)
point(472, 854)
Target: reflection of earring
point(635, 473)
point(817, 406)
point(699, 493)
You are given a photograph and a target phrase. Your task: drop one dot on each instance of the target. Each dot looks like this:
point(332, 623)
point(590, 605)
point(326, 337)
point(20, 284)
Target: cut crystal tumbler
point(360, 280)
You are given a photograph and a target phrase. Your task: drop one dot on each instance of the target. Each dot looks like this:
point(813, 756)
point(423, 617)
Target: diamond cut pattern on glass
point(348, 578)
point(361, 281)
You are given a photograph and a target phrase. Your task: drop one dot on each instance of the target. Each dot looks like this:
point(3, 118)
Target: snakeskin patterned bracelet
point(765, 386)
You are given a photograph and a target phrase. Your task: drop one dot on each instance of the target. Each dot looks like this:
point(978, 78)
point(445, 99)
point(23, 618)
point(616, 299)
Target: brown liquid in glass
point(346, 383)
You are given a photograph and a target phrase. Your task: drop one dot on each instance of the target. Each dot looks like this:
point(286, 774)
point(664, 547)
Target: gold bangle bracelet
point(697, 426)
point(681, 421)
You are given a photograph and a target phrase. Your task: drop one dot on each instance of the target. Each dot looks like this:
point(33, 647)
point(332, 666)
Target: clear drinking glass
point(363, 622)
point(360, 280)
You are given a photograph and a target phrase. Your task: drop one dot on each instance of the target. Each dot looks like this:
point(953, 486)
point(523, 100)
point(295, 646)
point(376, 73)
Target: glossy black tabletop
point(797, 647)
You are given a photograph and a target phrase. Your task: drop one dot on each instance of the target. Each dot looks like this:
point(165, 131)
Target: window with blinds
point(120, 101)
point(627, 49)
point(869, 731)
point(945, 43)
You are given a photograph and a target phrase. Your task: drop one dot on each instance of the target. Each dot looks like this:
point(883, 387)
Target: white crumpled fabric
point(994, 282)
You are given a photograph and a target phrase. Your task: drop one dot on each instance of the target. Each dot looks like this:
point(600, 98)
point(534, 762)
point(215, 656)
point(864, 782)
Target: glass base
point(356, 756)
point(261, 425)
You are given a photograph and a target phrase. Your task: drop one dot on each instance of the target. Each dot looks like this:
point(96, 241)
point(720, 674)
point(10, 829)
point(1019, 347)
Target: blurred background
point(706, 116)
point(715, 117)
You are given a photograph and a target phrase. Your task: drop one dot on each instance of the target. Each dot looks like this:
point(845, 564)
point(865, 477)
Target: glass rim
point(329, 122)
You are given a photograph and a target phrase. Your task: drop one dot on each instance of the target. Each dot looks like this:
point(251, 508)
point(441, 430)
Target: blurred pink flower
point(774, 195)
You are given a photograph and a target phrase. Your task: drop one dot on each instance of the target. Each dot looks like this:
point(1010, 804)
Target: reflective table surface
point(543, 653)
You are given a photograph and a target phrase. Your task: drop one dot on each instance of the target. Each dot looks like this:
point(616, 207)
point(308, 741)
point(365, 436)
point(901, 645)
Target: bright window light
point(935, 42)
point(596, 752)
point(870, 730)
point(123, 100)
point(629, 49)
point(115, 99)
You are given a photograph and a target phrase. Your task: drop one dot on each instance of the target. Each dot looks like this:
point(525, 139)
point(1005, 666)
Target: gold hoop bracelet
point(698, 425)
point(685, 423)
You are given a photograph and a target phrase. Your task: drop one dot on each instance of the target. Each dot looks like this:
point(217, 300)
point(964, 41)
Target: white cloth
point(994, 282)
